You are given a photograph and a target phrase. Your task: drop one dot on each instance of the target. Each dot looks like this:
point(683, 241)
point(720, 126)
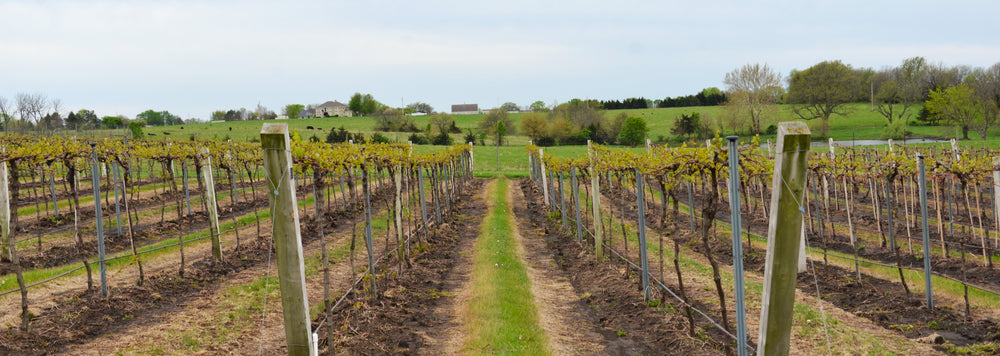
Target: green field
point(860, 124)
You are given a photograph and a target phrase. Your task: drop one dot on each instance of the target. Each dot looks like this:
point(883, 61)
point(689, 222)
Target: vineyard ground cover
point(880, 300)
point(595, 305)
point(178, 294)
point(418, 308)
point(808, 336)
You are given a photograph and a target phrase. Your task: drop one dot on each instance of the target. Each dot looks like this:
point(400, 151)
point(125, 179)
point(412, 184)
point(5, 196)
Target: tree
point(294, 111)
point(442, 122)
point(112, 122)
point(88, 118)
point(421, 107)
point(957, 105)
point(153, 118)
point(51, 121)
point(488, 124)
point(538, 106)
point(72, 121)
point(822, 90)
point(355, 104)
point(171, 119)
point(751, 91)
point(509, 107)
point(369, 105)
point(898, 89)
point(31, 107)
point(135, 127)
point(218, 115)
point(500, 132)
point(687, 125)
point(633, 131)
point(535, 125)
point(392, 119)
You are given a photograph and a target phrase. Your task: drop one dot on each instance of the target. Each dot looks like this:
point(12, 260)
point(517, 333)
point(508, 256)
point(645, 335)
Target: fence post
point(187, 193)
point(996, 188)
point(118, 209)
point(783, 236)
point(926, 232)
point(690, 204)
point(737, 239)
point(545, 178)
point(52, 188)
point(213, 211)
point(398, 177)
point(423, 202)
point(8, 241)
point(595, 187)
point(562, 201)
point(641, 217)
point(287, 238)
point(576, 203)
point(96, 175)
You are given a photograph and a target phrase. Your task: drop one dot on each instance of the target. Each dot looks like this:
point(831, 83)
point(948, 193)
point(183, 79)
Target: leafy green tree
point(633, 131)
point(959, 106)
point(535, 125)
point(822, 91)
point(293, 111)
point(73, 121)
point(218, 115)
point(369, 105)
point(87, 118)
point(538, 106)
point(442, 122)
point(421, 107)
point(488, 124)
point(135, 127)
point(500, 132)
point(112, 122)
point(509, 106)
point(356, 104)
point(153, 118)
point(687, 125)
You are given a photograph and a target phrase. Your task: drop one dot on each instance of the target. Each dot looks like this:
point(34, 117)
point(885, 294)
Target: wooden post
point(784, 233)
point(213, 211)
point(98, 215)
point(996, 188)
point(287, 238)
point(545, 180)
point(595, 187)
point(8, 242)
point(399, 214)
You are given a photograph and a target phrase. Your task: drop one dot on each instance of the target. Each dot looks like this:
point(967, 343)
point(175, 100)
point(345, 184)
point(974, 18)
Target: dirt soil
point(614, 299)
point(412, 314)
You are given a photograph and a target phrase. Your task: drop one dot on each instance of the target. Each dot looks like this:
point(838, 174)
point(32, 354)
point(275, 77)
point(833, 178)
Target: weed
point(653, 303)
point(933, 325)
point(622, 333)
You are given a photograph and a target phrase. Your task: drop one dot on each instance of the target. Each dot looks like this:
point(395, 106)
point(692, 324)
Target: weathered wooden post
point(576, 205)
point(545, 180)
point(187, 193)
point(287, 238)
point(737, 240)
point(398, 177)
point(213, 210)
point(641, 219)
point(96, 175)
point(996, 188)
point(8, 242)
point(926, 231)
point(784, 233)
point(595, 187)
point(118, 209)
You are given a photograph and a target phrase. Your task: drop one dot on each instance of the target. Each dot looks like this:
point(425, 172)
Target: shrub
point(771, 130)
point(896, 131)
point(633, 131)
point(418, 139)
point(442, 139)
point(378, 138)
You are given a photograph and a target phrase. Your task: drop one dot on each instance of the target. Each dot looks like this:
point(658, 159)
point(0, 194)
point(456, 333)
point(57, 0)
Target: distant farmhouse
point(462, 109)
point(331, 109)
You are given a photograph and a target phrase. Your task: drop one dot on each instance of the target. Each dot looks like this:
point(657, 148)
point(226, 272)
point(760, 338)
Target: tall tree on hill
point(898, 89)
point(822, 91)
point(293, 111)
point(751, 92)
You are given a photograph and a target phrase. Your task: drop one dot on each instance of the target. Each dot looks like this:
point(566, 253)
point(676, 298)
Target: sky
point(194, 57)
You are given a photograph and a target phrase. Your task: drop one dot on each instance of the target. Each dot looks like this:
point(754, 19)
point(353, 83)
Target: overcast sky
point(193, 57)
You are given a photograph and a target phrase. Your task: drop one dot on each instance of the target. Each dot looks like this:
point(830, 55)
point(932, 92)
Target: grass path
point(502, 314)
